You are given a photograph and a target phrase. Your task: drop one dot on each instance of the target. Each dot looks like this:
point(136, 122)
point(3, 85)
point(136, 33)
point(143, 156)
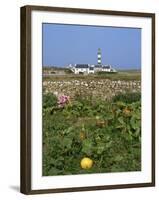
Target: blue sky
point(70, 44)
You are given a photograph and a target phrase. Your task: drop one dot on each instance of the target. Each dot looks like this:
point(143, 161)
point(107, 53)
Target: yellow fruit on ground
point(86, 163)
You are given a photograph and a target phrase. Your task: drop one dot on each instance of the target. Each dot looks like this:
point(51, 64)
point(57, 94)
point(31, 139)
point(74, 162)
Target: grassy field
point(121, 75)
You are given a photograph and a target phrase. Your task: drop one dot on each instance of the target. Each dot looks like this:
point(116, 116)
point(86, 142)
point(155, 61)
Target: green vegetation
point(68, 71)
point(106, 73)
point(128, 97)
point(109, 133)
point(121, 75)
point(49, 100)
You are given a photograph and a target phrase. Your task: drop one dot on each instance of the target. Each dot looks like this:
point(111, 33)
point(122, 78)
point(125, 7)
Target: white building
point(106, 68)
point(98, 68)
point(91, 69)
point(82, 69)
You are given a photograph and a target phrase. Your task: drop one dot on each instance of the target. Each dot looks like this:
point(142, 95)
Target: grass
point(121, 75)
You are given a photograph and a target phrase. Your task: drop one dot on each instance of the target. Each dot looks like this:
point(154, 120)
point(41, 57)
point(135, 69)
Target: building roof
point(81, 66)
point(98, 66)
point(106, 66)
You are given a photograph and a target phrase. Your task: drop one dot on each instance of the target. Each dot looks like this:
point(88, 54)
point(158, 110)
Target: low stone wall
point(103, 88)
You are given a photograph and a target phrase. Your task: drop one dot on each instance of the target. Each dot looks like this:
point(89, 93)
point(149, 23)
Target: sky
point(78, 44)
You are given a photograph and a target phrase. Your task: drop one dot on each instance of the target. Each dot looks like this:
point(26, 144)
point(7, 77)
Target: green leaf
point(137, 132)
point(134, 123)
point(67, 142)
point(121, 120)
point(118, 158)
point(54, 171)
point(121, 104)
point(108, 116)
point(100, 148)
point(87, 146)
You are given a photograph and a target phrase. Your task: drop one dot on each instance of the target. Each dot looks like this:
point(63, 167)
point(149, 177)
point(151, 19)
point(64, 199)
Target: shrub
point(128, 97)
point(68, 71)
point(49, 100)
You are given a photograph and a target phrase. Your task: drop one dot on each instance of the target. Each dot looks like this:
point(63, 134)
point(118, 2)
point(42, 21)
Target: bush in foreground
point(129, 97)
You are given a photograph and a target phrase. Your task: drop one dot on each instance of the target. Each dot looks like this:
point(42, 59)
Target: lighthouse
point(99, 56)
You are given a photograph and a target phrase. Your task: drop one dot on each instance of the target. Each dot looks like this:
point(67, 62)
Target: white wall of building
point(106, 70)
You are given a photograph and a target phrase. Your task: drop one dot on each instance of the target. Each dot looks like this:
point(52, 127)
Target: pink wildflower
point(63, 100)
